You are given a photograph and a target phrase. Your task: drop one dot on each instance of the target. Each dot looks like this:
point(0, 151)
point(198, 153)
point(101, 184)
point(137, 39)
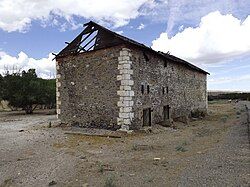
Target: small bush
point(101, 168)
point(197, 114)
point(224, 119)
point(109, 182)
point(185, 143)
point(180, 148)
point(238, 113)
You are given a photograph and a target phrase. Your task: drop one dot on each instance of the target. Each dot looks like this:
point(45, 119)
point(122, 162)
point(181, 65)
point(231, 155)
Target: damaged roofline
point(105, 38)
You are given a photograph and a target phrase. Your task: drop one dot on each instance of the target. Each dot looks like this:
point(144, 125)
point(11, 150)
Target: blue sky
point(211, 34)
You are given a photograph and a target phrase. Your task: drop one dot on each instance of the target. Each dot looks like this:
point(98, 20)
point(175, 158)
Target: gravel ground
point(228, 164)
point(209, 152)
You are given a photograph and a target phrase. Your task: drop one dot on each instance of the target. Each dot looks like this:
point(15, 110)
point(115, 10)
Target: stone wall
point(183, 89)
point(103, 88)
point(87, 88)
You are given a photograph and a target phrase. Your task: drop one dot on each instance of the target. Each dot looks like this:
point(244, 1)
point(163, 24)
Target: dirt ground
point(213, 151)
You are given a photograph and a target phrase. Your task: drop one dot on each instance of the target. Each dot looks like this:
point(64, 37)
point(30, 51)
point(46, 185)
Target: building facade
point(123, 84)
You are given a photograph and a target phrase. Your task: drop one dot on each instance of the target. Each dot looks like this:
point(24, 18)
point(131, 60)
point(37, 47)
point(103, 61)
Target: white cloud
point(189, 12)
point(217, 38)
point(119, 32)
point(45, 67)
point(2, 53)
point(17, 15)
point(141, 26)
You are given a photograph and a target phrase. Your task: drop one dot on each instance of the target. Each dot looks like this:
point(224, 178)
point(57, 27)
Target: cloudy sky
point(212, 34)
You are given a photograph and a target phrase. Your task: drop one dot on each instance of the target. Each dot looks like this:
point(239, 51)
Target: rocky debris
point(90, 134)
point(52, 183)
point(137, 147)
point(82, 157)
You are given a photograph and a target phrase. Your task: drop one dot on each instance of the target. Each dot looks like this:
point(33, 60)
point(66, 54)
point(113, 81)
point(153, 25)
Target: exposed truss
point(92, 37)
point(95, 37)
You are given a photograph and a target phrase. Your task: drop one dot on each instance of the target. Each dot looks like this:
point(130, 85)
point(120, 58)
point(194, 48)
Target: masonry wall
point(103, 88)
point(185, 89)
point(87, 88)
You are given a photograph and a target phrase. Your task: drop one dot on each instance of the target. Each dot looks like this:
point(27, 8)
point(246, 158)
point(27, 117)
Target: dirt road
point(210, 152)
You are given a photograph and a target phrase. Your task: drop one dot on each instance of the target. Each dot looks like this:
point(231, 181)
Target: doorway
point(166, 113)
point(147, 117)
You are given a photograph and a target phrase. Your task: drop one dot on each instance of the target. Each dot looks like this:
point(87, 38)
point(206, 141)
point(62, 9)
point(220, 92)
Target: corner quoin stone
point(125, 93)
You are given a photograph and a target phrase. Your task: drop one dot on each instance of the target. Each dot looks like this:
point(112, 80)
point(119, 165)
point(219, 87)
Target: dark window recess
point(172, 68)
point(167, 89)
point(142, 89)
point(148, 89)
point(145, 56)
point(165, 64)
point(163, 90)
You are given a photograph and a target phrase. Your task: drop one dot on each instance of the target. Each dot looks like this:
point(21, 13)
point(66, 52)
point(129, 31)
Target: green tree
point(26, 90)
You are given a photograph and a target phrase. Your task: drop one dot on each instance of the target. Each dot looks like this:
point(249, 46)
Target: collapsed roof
point(95, 37)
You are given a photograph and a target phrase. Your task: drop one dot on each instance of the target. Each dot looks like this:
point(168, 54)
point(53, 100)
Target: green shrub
point(224, 119)
point(180, 148)
point(198, 113)
point(110, 182)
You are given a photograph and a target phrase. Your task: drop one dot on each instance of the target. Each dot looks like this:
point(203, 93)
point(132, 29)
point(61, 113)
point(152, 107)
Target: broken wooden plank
point(89, 134)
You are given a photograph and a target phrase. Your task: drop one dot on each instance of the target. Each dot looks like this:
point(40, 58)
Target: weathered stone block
point(126, 49)
point(127, 82)
point(124, 66)
point(127, 122)
point(126, 109)
point(119, 77)
point(124, 115)
point(125, 58)
point(125, 93)
point(125, 88)
point(125, 103)
point(58, 84)
point(129, 98)
point(58, 76)
point(125, 62)
point(124, 53)
point(126, 71)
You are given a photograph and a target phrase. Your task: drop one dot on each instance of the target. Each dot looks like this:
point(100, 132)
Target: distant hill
point(231, 95)
point(217, 92)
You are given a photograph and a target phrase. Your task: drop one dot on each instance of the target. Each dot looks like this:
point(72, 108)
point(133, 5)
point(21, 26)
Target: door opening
point(147, 117)
point(166, 113)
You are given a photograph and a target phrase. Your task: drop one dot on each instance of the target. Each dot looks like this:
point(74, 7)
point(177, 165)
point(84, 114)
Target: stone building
point(107, 80)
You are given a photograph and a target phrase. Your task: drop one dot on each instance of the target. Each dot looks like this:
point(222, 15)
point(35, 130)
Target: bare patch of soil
point(163, 157)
